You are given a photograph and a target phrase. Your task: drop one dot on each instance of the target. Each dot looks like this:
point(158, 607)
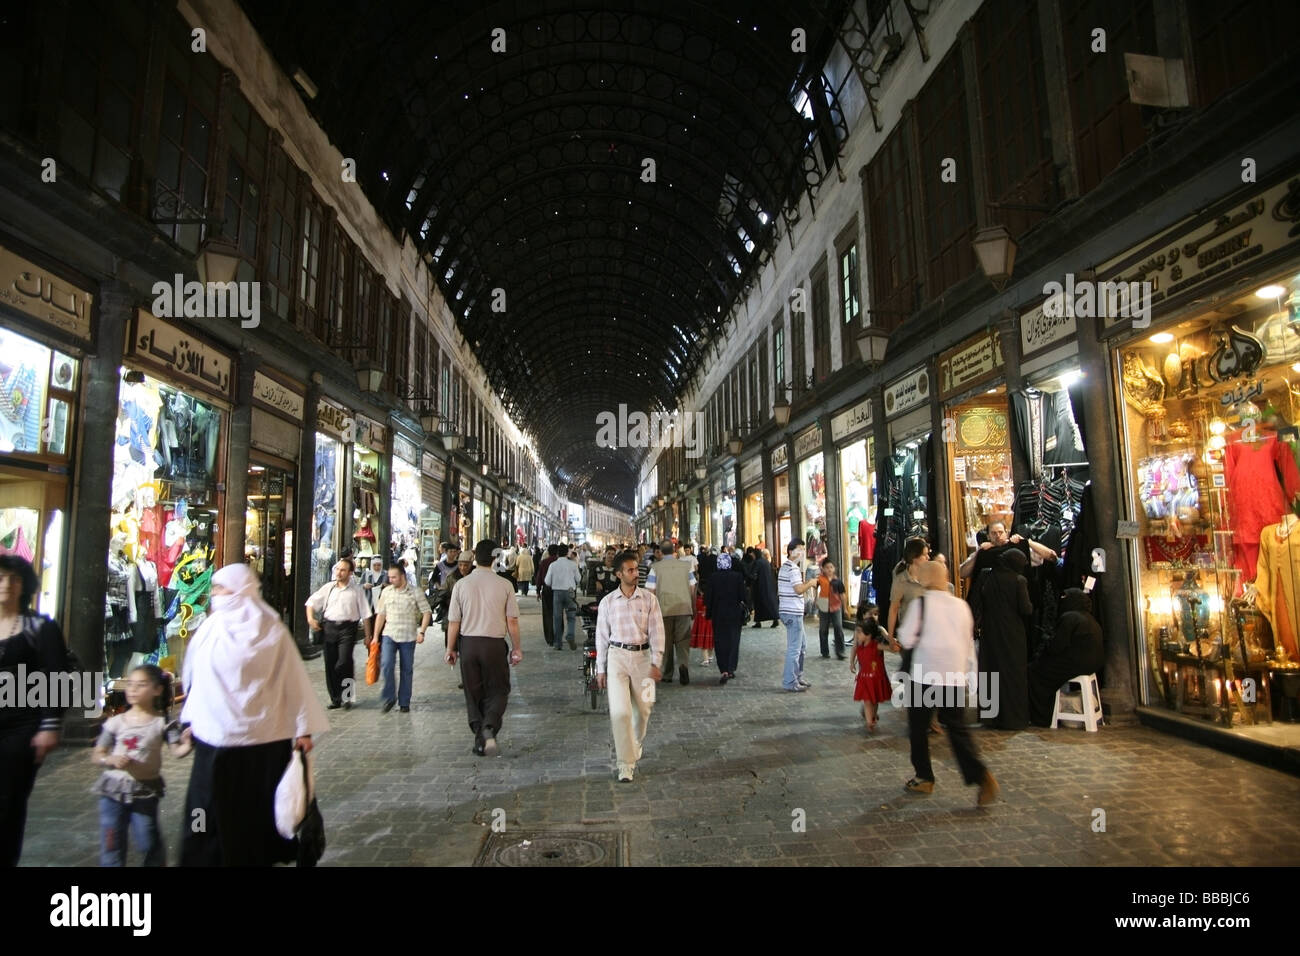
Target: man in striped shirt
point(790, 587)
point(629, 652)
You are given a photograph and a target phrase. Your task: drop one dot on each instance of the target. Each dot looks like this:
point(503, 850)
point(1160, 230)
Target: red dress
point(701, 627)
point(1255, 496)
point(873, 682)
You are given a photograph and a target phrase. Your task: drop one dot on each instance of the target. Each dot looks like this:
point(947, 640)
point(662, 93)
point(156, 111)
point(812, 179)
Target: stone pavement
point(728, 775)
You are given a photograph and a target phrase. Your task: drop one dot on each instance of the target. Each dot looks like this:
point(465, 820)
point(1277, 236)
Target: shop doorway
point(268, 532)
point(32, 526)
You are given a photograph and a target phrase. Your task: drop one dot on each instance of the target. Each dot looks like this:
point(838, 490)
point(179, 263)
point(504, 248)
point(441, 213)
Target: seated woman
point(1076, 648)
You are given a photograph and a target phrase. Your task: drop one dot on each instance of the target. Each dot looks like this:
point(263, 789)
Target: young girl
point(130, 745)
point(868, 662)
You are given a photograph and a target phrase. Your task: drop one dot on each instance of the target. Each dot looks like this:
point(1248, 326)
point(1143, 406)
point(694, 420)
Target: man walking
point(790, 588)
point(629, 649)
point(401, 617)
point(562, 578)
point(673, 584)
point(340, 610)
point(524, 570)
point(544, 593)
point(482, 613)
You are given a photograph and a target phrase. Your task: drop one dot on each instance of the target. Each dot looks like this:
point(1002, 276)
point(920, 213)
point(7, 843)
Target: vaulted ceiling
point(593, 199)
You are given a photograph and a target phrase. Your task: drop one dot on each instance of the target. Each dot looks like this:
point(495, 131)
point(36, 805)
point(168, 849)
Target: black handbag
point(311, 831)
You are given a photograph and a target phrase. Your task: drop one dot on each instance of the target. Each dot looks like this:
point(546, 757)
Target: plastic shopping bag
point(293, 795)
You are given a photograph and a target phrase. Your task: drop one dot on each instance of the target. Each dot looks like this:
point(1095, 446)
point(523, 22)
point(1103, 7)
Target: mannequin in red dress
point(1255, 496)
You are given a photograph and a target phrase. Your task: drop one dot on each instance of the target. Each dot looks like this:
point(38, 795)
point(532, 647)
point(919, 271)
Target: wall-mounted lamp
point(996, 252)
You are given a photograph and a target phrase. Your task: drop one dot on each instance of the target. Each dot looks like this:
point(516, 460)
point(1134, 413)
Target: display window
point(979, 466)
point(268, 533)
point(326, 531)
point(858, 494)
point(784, 528)
point(1211, 405)
point(812, 501)
point(725, 519)
point(754, 528)
point(168, 469)
point(693, 512)
point(482, 522)
point(365, 502)
point(405, 506)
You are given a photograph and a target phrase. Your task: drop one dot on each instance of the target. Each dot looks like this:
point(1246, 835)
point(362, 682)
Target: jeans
point(388, 655)
point(631, 698)
point(794, 650)
point(827, 620)
point(141, 817)
point(566, 609)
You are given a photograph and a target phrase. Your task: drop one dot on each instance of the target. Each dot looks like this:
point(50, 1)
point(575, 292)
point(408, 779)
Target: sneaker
point(919, 786)
point(796, 689)
point(624, 774)
point(683, 675)
point(389, 705)
point(490, 748)
point(804, 683)
point(988, 790)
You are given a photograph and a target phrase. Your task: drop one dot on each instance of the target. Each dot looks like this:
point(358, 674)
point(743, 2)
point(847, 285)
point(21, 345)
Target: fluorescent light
point(1070, 377)
point(1162, 338)
point(1270, 292)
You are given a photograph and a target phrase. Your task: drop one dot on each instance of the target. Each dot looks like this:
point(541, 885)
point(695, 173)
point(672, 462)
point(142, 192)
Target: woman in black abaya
point(1001, 605)
point(724, 599)
point(1075, 649)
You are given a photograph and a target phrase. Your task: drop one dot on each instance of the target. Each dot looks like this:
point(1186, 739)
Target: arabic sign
point(851, 420)
point(780, 458)
point(1038, 331)
point(30, 289)
point(1198, 249)
point(808, 441)
point(751, 471)
point(405, 449)
point(970, 363)
point(277, 397)
point(911, 390)
point(334, 420)
point(181, 354)
point(434, 467)
point(371, 434)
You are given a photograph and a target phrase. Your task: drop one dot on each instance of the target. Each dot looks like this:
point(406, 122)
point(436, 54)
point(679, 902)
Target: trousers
point(825, 621)
point(631, 698)
point(340, 679)
point(677, 638)
point(954, 725)
point(392, 654)
point(485, 670)
point(18, 768)
point(548, 614)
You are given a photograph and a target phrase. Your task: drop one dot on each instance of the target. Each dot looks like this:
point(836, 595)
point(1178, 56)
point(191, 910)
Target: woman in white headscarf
point(248, 705)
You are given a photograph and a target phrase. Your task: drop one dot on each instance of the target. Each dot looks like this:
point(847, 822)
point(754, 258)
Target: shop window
point(245, 168)
point(38, 397)
point(894, 276)
point(979, 461)
point(277, 273)
point(858, 504)
point(1107, 126)
point(1017, 130)
point(821, 323)
point(1233, 42)
point(944, 135)
point(1210, 416)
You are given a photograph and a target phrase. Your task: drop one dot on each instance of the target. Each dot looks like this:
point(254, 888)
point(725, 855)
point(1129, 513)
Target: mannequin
point(1278, 582)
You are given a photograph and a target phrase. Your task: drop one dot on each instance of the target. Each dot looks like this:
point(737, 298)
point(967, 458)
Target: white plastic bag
point(293, 795)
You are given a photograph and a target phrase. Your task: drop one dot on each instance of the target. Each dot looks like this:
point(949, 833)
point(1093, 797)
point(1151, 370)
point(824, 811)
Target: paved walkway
point(728, 775)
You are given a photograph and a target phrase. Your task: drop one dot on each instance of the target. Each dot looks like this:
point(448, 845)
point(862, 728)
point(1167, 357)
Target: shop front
point(167, 497)
point(368, 452)
point(724, 494)
point(482, 509)
point(335, 428)
point(903, 475)
point(1210, 431)
point(407, 502)
point(46, 333)
point(433, 480)
point(779, 463)
point(811, 471)
point(275, 440)
point(856, 451)
point(751, 484)
point(462, 512)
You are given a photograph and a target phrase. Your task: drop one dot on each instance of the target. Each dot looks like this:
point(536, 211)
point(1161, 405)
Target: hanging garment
point(866, 540)
point(1062, 441)
point(1255, 495)
point(1278, 583)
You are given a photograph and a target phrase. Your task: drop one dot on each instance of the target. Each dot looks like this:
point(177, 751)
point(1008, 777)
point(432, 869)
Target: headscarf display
point(244, 679)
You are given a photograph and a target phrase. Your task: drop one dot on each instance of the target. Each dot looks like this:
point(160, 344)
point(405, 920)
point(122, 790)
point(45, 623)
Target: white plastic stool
point(1089, 698)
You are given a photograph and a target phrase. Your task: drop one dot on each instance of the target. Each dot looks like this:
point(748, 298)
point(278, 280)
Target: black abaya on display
point(1075, 649)
point(1001, 605)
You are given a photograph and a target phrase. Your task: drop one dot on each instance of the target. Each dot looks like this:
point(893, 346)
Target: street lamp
point(872, 342)
point(370, 377)
point(218, 261)
point(996, 251)
point(429, 421)
point(702, 472)
point(734, 444)
point(781, 411)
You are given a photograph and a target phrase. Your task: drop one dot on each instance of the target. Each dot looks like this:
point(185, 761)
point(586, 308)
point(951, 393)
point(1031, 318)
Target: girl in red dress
point(702, 631)
point(868, 662)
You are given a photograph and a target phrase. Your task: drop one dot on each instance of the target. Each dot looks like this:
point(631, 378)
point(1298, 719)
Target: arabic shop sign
point(807, 442)
point(779, 458)
point(181, 354)
point(434, 467)
point(908, 392)
point(851, 420)
point(372, 434)
point(32, 290)
point(1038, 330)
point(405, 449)
point(277, 397)
point(335, 420)
point(1196, 250)
point(970, 363)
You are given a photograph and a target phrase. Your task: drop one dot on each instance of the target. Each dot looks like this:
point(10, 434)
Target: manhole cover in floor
point(557, 848)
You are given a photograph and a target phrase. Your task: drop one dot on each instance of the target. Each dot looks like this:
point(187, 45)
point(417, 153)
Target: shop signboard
point(1039, 331)
point(808, 442)
point(851, 420)
point(405, 449)
point(434, 466)
point(181, 355)
point(974, 361)
point(780, 458)
point(910, 391)
point(33, 291)
point(751, 471)
point(277, 397)
point(371, 434)
point(334, 420)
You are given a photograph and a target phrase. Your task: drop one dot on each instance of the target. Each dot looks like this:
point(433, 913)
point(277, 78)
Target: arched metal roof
point(527, 171)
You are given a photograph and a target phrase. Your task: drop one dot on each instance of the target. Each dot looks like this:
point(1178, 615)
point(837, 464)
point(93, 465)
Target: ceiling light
point(1270, 292)
point(1070, 377)
point(1162, 338)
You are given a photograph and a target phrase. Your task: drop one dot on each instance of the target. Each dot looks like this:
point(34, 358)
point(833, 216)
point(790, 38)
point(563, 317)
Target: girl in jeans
point(130, 746)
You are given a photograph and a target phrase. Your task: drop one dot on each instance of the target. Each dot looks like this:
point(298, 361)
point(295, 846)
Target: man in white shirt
point(340, 610)
point(629, 651)
point(562, 578)
point(941, 629)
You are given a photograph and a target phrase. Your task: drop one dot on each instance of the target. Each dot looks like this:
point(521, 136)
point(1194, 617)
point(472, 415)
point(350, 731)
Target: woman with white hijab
point(248, 705)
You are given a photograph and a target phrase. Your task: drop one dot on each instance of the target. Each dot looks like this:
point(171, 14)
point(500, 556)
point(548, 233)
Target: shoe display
point(389, 705)
point(683, 675)
point(988, 790)
point(919, 786)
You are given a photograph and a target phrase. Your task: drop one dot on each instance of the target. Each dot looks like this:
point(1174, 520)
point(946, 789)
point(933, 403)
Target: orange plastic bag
point(372, 663)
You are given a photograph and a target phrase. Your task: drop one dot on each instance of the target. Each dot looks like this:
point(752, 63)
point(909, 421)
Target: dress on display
point(866, 540)
point(1255, 495)
point(1278, 583)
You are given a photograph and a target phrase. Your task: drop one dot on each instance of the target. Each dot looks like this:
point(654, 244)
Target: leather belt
point(630, 647)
